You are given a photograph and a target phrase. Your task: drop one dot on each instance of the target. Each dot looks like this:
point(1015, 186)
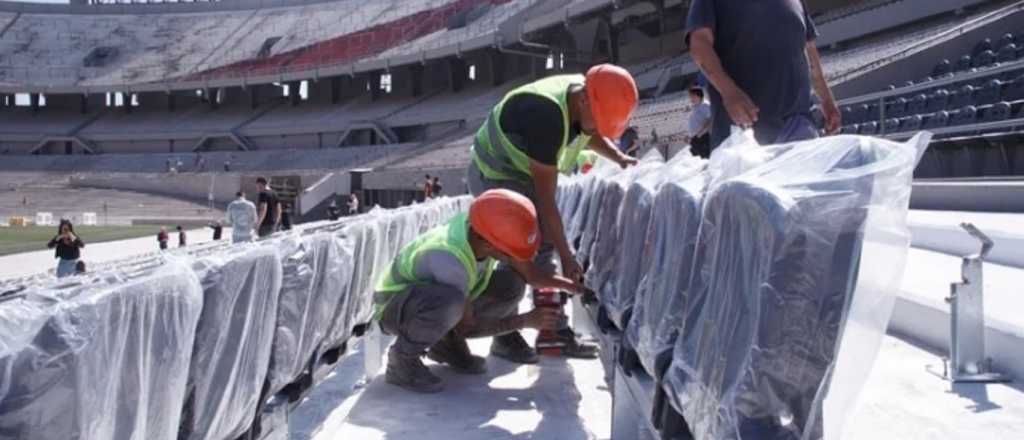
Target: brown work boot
point(574, 347)
point(454, 351)
point(513, 347)
point(409, 372)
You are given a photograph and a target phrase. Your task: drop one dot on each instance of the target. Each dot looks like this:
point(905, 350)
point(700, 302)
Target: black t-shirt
point(536, 126)
point(270, 199)
point(762, 47)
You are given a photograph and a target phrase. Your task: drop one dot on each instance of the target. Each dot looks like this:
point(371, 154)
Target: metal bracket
point(967, 361)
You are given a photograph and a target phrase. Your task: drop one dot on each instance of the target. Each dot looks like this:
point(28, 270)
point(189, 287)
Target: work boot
point(513, 347)
point(409, 372)
point(574, 347)
point(454, 351)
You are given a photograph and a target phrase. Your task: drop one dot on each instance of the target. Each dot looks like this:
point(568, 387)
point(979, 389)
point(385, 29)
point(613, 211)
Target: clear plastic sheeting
point(796, 265)
point(233, 341)
point(99, 357)
point(314, 281)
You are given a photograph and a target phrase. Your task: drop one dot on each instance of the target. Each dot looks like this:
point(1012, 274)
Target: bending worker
point(446, 286)
point(537, 131)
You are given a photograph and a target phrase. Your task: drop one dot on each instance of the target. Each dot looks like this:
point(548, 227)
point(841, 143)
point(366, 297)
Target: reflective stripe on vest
point(452, 238)
point(499, 159)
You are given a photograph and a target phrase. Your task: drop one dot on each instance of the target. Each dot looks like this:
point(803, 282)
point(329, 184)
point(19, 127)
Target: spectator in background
point(333, 211)
point(218, 230)
point(761, 61)
point(162, 238)
point(181, 236)
point(269, 208)
point(241, 214)
point(353, 204)
point(428, 188)
point(227, 166)
point(699, 124)
point(436, 187)
point(68, 247)
point(628, 142)
point(286, 217)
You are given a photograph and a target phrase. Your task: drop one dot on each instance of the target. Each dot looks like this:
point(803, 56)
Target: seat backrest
point(937, 119)
point(986, 58)
point(869, 128)
point(892, 125)
point(937, 100)
point(1008, 53)
point(997, 112)
point(941, 68)
point(910, 123)
point(991, 93)
point(982, 46)
point(1015, 89)
point(964, 63)
point(1006, 40)
point(918, 104)
point(963, 97)
point(966, 115)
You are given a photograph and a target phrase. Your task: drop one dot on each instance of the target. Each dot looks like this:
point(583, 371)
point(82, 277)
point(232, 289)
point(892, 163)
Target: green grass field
point(14, 240)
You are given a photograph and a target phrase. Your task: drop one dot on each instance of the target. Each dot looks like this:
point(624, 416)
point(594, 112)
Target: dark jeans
point(423, 314)
point(700, 146)
point(266, 229)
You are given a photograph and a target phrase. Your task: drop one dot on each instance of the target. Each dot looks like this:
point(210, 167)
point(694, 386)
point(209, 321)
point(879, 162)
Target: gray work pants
point(421, 315)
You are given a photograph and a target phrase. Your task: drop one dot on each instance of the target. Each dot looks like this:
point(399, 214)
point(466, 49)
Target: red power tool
point(548, 342)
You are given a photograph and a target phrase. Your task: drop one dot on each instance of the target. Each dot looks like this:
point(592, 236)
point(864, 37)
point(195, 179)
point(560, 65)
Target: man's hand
point(741, 108)
point(833, 118)
point(543, 318)
point(626, 161)
point(571, 269)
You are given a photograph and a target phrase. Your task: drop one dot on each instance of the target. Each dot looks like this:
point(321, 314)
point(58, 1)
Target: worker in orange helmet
point(446, 286)
point(535, 132)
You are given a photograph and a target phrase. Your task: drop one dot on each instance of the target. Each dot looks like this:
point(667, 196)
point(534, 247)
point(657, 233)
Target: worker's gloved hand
point(543, 318)
point(572, 269)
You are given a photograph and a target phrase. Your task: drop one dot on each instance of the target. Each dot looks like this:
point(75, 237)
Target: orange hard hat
point(508, 221)
point(613, 97)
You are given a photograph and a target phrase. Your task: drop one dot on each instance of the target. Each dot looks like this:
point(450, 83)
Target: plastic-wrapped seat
point(937, 120)
point(990, 94)
point(234, 337)
point(963, 97)
point(1007, 54)
point(849, 129)
point(784, 265)
point(965, 116)
point(104, 356)
point(941, 68)
point(917, 105)
point(896, 108)
point(938, 100)
point(1006, 40)
point(964, 63)
point(911, 123)
point(984, 59)
point(892, 125)
point(869, 128)
point(982, 46)
point(1015, 89)
point(671, 236)
point(313, 285)
point(997, 112)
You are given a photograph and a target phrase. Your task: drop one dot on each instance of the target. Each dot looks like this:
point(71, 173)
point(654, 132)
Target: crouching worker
point(448, 285)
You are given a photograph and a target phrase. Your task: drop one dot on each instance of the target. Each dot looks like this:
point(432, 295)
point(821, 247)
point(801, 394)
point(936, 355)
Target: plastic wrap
point(364, 239)
point(313, 286)
point(796, 266)
point(100, 357)
point(233, 341)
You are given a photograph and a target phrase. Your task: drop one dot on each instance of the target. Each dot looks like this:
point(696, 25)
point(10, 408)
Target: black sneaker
point(409, 372)
point(454, 351)
point(512, 347)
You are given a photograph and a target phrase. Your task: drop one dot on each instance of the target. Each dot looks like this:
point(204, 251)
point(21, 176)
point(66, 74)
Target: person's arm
point(277, 221)
point(541, 279)
point(601, 145)
point(833, 118)
point(262, 214)
point(704, 128)
point(540, 318)
point(739, 106)
point(53, 242)
point(545, 183)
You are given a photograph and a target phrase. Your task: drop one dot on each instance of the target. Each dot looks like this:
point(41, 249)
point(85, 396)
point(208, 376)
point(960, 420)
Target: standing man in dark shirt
point(761, 61)
point(535, 132)
point(269, 209)
point(436, 187)
point(181, 236)
point(218, 230)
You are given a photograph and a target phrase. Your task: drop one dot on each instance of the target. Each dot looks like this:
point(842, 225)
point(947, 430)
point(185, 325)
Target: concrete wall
point(453, 179)
point(185, 186)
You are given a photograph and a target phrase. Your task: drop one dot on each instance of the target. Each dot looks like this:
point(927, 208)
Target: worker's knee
point(437, 304)
point(506, 286)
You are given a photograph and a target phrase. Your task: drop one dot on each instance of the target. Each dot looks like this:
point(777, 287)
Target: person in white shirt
point(242, 216)
point(353, 204)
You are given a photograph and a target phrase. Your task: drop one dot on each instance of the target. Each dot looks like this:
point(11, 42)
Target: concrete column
point(495, 72)
point(324, 91)
point(457, 74)
point(415, 79)
point(33, 101)
point(293, 93)
point(234, 96)
point(374, 80)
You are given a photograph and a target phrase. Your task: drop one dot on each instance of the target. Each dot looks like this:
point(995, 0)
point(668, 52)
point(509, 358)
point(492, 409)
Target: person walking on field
point(447, 286)
point(535, 133)
point(67, 247)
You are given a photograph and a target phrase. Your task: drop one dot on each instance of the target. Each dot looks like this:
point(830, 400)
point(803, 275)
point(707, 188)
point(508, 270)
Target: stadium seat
point(869, 128)
point(964, 63)
point(984, 59)
point(918, 104)
point(863, 112)
point(911, 123)
point(937, 120)
point(963, 97)
point(849, 129)
point(872, 113)
point(941, 68)
point(937, 101)
point(990, 94)
point(847, 113)
point(982, 46)
point(1007, 54)
point(896, 108)
point(997, 112)
point(908, 84)
point(892, 125)
point(1015, 89)
point(965, 116)
point(1006, 40)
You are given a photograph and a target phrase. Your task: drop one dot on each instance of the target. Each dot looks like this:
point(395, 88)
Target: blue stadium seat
point(908, 84)
point(918, 104)
point(937, 119)
point(984, 59)
point(964, 63)
point(997, 112)
point(892, 125)
point(896, 108)
point(872, 113)
point(982, 46)
point(911, 123)
point(847, 113)
point(869, 128)
point(1015, 89)
point(941, 68)
point(990, 94)
point(965, 116)
point(1006, 40)
point(963, 97)
point(1007, 54)
point(937, 100)
point(849, 129)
